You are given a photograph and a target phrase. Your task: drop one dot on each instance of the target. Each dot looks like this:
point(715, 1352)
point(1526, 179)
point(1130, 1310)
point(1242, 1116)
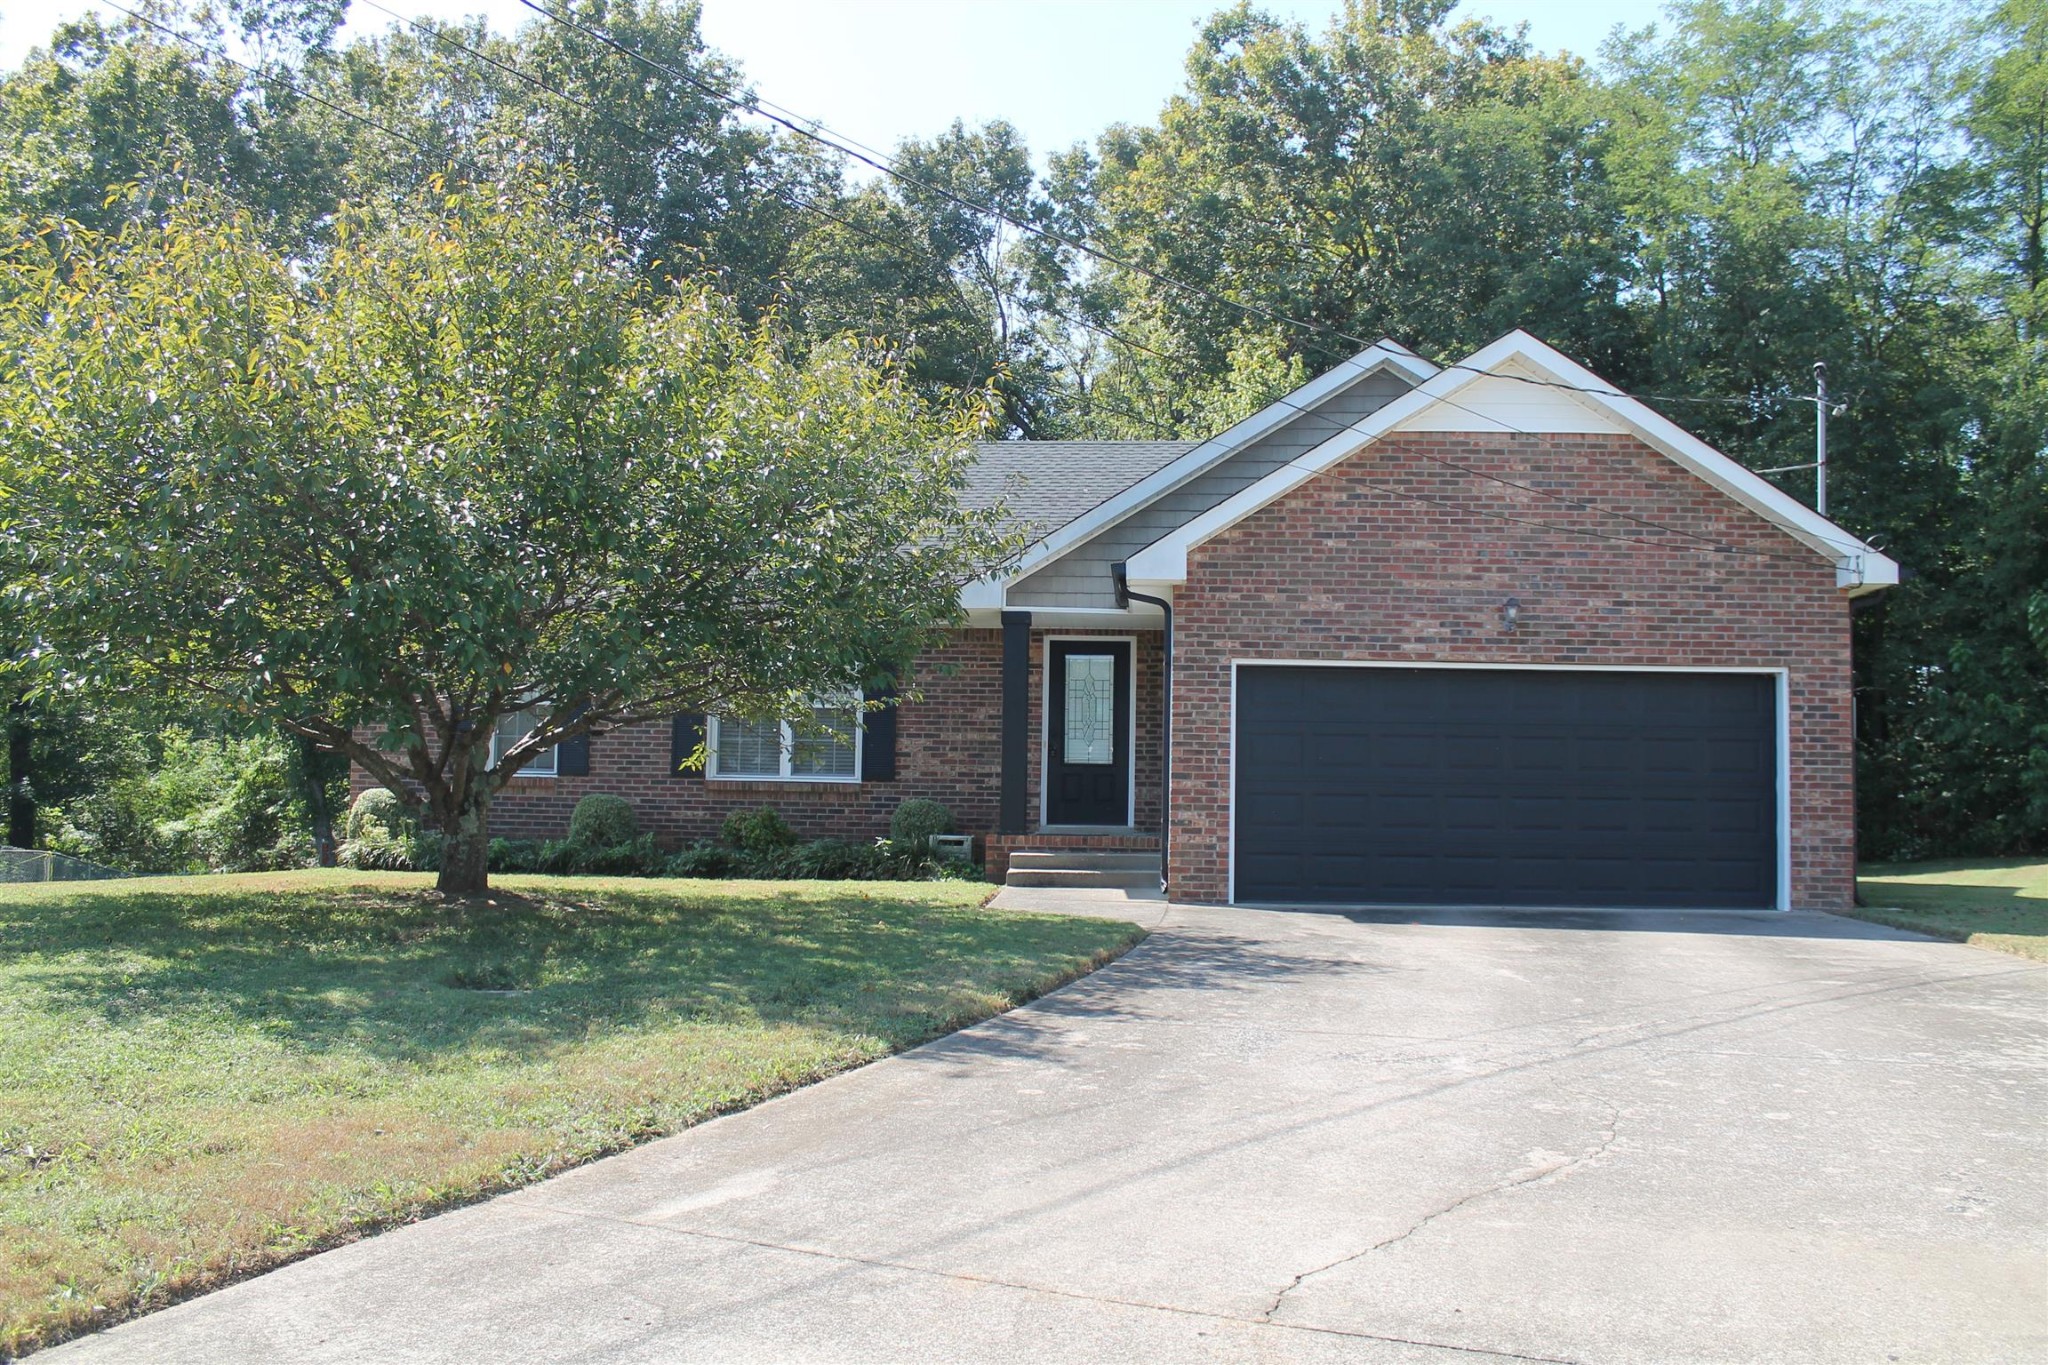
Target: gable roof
point(1169, 473)
point(1043, 485)
point(1477, 394)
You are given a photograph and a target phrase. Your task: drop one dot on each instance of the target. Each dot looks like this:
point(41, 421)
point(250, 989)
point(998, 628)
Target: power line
point(298, 90)
point(594, 217)
point(816, 131)
point(799, 201)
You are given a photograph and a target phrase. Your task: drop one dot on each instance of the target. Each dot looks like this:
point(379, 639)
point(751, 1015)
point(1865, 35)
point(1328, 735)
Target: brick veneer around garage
point(1393, 555)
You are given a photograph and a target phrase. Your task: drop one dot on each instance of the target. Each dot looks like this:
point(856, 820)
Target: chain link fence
point(41, 865)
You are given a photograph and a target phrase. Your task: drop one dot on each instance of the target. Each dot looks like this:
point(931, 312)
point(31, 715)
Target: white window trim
point(711, 727)
point(550, 755)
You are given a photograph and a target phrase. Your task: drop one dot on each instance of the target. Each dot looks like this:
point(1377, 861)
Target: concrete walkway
point(1273, 1136)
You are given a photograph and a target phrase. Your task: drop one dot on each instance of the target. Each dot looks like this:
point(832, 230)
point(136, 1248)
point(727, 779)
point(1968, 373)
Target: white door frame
point(1783, 744)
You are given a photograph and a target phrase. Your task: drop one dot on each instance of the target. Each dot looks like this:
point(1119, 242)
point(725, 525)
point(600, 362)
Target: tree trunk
point(317, 810)
point(21, 799)
point(466, 847)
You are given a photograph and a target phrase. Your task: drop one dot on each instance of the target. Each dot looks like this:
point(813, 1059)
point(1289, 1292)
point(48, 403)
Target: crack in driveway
point(999, 1282)
point(1553, 1170)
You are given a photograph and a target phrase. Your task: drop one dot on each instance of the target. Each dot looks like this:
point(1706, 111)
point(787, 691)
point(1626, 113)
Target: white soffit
point(1453, 400)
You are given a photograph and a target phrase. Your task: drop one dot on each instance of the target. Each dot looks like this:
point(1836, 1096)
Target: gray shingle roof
point(1049, 483)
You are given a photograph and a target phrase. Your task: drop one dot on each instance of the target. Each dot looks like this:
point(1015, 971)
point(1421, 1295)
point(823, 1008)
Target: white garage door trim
point(1783, 745)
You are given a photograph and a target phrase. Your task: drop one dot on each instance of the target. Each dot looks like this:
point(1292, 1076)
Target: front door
point(1088, 733)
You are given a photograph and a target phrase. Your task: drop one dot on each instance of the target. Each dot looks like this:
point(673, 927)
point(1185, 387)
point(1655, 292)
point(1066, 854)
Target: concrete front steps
point(1109, 871)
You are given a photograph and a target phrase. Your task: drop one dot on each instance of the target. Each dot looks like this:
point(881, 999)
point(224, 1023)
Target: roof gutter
point(1124, 597)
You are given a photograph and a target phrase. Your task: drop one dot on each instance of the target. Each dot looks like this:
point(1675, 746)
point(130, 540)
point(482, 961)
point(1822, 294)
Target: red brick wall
point(946, 748)
point(1340, 569)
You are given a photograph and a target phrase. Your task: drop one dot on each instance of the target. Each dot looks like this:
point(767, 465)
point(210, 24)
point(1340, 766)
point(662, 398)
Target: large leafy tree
point(653, 143)
point(1396, 174)
point(467, 463)
point(940, 259)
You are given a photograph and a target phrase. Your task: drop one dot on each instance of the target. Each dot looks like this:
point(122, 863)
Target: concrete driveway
point(1273, 1136)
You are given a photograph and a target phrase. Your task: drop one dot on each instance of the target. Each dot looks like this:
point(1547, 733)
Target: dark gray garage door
point(1418, 786)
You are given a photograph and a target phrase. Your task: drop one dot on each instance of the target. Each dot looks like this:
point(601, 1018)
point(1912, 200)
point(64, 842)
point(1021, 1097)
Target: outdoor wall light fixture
point(1509, 610)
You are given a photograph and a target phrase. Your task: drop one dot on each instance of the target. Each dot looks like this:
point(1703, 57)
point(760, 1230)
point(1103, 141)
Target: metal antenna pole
point(1820, 437)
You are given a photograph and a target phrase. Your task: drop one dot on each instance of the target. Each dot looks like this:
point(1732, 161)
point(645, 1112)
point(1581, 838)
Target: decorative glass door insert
point(1090, 685)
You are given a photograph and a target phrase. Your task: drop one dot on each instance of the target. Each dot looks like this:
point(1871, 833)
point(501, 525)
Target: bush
point(524, 855)
point(917, 820)
point(956, 870)
point(633, 858)
point(603, 821)
point(380, 808)
point(760, 832)
point(184, 802)
point(378, 851)
point(833, 860)
point(703, 860)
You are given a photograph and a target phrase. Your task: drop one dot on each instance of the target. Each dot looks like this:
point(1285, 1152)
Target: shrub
point(956, 870)
point(633, 858)
point(378, 851)
point(703, 860)
point(760, 832)
point(917, 820)
point(603, 821)
point(832, 860)
point(377, 807)
point(179, 801)
point(518, 855)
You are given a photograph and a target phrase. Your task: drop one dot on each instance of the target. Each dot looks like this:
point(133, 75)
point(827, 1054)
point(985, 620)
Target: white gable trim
point(1435, 405)
point(1383, 354)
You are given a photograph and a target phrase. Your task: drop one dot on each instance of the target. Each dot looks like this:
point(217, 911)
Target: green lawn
point(1997, 903)
point(200, 1077)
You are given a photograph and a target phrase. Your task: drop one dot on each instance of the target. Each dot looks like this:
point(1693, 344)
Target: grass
point(203, 1077)
point(1999, 903)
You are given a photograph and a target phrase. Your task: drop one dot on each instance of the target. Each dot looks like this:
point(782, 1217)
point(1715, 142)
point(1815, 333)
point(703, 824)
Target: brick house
point(1490, 634)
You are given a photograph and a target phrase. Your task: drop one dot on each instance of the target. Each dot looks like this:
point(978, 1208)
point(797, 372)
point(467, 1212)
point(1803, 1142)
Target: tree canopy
point(1699, 211)
point(468, 462)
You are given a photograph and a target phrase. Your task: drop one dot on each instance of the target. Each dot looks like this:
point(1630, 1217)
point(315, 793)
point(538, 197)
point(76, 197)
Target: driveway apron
point(1265, 1135)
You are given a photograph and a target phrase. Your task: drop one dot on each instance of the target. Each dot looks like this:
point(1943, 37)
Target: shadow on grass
point(1999, 903)
point(400, 974)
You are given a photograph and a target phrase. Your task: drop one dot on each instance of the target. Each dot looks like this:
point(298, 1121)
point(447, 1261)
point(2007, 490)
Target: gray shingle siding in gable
point(1080, 577)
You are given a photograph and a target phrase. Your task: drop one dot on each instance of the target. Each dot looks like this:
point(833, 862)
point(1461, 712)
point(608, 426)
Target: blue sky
point(882, 70)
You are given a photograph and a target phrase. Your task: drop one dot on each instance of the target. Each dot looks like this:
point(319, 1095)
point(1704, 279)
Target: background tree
point(469, 464)
point(1714, 203)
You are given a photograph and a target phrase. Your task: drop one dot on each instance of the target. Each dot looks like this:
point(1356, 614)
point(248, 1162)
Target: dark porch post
point(1016, 719)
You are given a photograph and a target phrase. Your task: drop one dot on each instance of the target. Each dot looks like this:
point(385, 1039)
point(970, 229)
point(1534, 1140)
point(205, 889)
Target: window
point(826, 750)
point(1090, 709)
point(514, 727)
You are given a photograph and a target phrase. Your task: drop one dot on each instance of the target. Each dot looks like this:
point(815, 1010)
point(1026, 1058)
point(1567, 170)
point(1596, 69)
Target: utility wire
point(298, 90)
point(1336, 426)
point(816, 131)
point(799, 201)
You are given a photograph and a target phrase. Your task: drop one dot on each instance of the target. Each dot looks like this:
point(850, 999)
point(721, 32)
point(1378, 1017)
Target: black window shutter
point(685, 733)
point(572, 756)
point(878, 738)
